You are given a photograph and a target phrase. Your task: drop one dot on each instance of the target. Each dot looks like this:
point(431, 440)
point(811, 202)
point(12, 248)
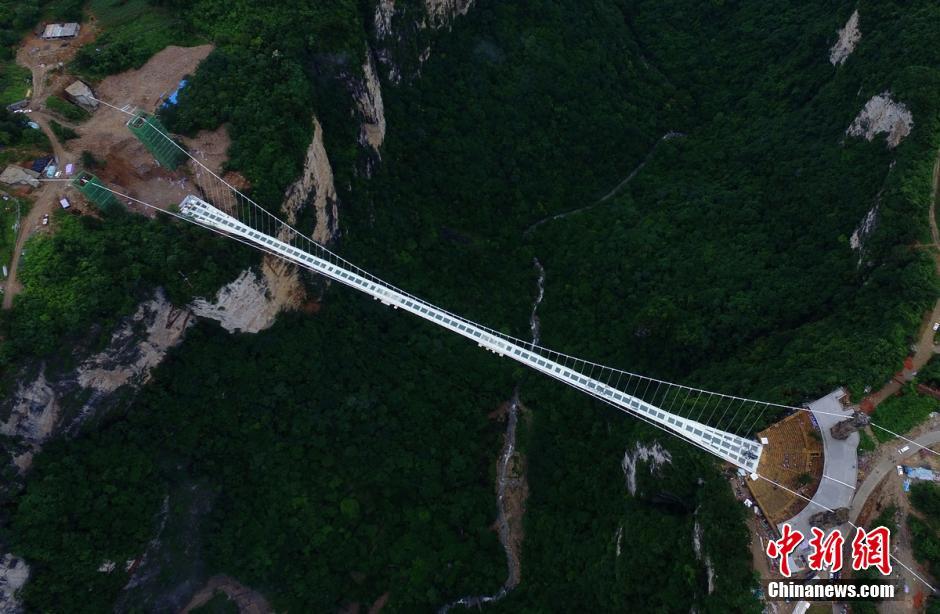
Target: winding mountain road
point(884, 467)
point(46, 196)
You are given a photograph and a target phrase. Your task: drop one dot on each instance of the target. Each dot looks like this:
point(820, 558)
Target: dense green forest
point(925, 526)
point(91, 271)
point(342, 455)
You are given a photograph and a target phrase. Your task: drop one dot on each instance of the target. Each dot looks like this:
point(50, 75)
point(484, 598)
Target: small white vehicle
point(904, 450)
point(45, 220)
point(900, 470)
point(936, 326)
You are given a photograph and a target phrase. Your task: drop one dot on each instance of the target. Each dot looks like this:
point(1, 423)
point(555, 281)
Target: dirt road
point(46, 200)
point(925, 348)
point(887, 465)
point(46, 197)
point(127, 162)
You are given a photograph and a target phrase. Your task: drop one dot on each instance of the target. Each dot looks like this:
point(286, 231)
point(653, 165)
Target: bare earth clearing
point(127, 164)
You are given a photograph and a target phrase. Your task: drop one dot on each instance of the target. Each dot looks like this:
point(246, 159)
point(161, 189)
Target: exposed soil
point(47, 58)
point(890, 492)
point(127, 163)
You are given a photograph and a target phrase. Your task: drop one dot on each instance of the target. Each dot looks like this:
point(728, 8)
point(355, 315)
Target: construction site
point(108, 147)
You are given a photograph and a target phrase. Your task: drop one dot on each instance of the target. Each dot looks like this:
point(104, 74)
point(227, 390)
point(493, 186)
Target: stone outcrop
point(849, 36)
point(15, 175)
point(384, 11)
point(443, 12)
point(315, 187)
point(247, 304)
point(137, 346)
point(828, 519)
point(655, 456)
point(882, 115)
point(864, 229)
point(842, 430)
point(13, 574)
point(81, 94)
point(368, 95)
point(394, 23)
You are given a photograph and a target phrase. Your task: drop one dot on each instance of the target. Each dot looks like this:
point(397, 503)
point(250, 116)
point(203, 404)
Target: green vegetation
point(64, 133)
point(66, 109)
point(902, 413)
point(16, 17)
point(14, 83)
point(266, 103)
point(60, 522)
point(886, 518)
point(925, 497)
point(10, 211)
point(348, 453)
point(865, 442)
point(19, 142)
point(925, 539)
point(925, 527)
point(89, 161)
point(326, 486)
point(75, 277)
point(930, 373)
point(134, 30)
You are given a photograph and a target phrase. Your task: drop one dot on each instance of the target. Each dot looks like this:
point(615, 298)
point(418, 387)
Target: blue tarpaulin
point(172, 98)
point(920, 473)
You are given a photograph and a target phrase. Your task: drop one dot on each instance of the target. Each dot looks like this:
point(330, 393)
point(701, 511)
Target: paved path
point(840, 461)
point(885, 466)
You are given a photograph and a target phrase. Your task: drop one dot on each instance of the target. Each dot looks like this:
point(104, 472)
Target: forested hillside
point(347, 454)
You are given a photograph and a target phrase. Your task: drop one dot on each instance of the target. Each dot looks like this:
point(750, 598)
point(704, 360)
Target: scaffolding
point(92, 188)
point(153, 135)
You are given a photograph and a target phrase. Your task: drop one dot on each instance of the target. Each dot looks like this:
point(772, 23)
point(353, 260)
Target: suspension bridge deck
point(737, 450)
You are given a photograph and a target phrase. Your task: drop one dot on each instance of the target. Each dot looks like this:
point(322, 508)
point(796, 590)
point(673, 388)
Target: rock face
point(828, 519)
point(654, 455)
point(245, 305)
point(14, 175)
point(882, 115)
point(33, 417)
point(128, 359)
point(82, 95)
point(136, 347)
point(315, 187)
point(13, 575)
point(864, 228)
point(384, 11)
point(394, 24)
point(848, 38)
point(369, 102)
point(443, 12)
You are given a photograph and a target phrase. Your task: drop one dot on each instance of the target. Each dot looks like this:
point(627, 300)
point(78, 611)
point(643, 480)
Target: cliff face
point(50, 403)
point(882, 115)
point(45, 404)
point(372, 110)
point(315, 188)
point(13, 575)
point(250, 303)
point(443, 12)
point(394, 24)
point(848, 39)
